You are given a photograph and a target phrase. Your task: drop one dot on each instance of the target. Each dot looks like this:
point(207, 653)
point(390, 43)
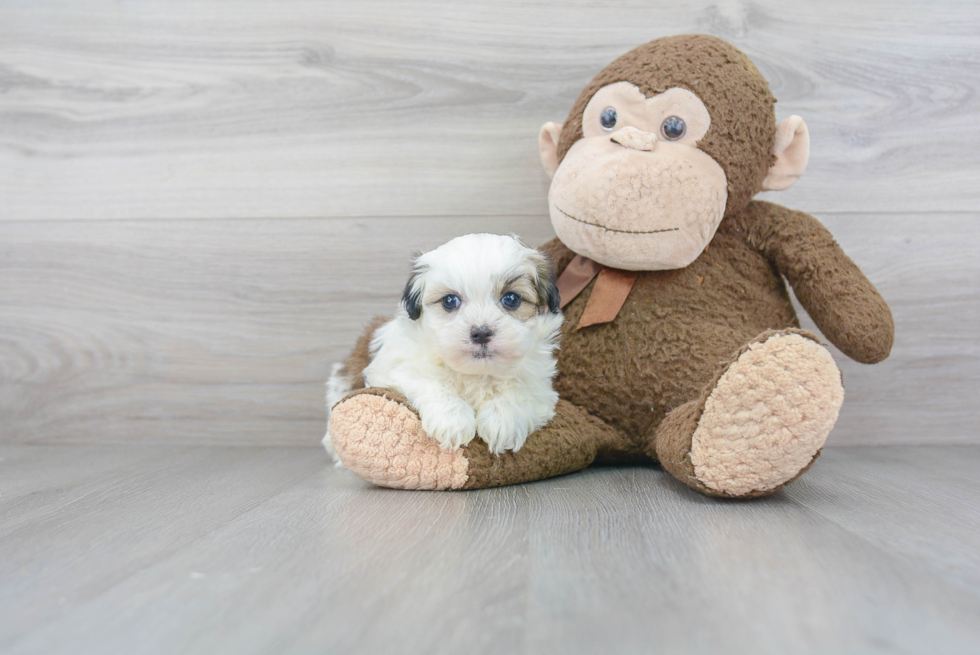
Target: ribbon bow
point(608, 295)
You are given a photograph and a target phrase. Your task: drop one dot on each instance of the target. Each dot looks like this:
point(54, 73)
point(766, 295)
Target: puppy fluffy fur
point(472, 344)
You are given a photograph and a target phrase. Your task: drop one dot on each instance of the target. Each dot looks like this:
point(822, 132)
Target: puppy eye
point(608, 118)
point(673, 128)
point(451, 303)
point(510, 300)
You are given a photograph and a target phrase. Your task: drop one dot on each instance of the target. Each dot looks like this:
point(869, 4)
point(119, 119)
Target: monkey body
point(670, 336)
point(700, 364)
point(677, 326)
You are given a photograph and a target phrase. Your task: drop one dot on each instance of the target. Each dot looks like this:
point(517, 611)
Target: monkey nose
point(634, 139)
point(481, 335)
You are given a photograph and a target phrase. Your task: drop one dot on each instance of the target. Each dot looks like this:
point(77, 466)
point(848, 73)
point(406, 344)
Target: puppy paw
point(452, 422)
point(505, 425)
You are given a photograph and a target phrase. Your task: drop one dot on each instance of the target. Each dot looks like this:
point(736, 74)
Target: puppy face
point(479, 300)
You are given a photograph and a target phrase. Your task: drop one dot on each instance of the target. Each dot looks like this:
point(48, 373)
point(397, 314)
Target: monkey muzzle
point(634, 139)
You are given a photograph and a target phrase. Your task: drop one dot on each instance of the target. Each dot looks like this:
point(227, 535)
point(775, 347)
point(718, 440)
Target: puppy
point(472, 344)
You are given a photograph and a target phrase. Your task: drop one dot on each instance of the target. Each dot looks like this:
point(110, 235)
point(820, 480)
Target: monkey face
point(635, 192)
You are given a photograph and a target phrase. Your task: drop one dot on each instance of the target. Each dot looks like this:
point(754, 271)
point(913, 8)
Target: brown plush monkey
point(680, 343)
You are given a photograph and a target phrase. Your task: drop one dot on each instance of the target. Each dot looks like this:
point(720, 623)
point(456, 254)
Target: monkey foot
point(767, 417)
point(380, 439)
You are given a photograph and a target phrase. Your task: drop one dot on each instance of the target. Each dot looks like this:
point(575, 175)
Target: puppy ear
point(546, 284)
point(412, 296)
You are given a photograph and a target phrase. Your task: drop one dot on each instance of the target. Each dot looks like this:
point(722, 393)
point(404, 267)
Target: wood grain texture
point(141, 109)
point(256, 550)
point(316, 144)
point(194, 330)
point(225, 331)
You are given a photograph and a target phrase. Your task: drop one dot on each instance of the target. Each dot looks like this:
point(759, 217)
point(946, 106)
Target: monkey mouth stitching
point(612, 229)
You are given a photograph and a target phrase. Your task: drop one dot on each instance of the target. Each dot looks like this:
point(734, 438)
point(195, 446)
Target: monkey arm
point(833, 290)
point(559, 254)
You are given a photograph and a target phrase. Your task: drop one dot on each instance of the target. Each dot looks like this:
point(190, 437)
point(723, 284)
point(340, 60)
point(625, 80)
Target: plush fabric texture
point(636, 388)
point(677, 326)
point(632, 198)
point(670, 335)
point(378, 438)
point(792, 150)
point(614, 209)
point(570, 442)
point(674, 437)
point(743, 123)
point(704, 368)
point(767, 416)
point(837, 296)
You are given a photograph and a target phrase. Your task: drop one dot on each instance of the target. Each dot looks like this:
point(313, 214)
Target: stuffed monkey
point(680, 343)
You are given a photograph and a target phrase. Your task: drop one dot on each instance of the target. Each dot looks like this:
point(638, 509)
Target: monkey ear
point(792, 150)
point(548, 147)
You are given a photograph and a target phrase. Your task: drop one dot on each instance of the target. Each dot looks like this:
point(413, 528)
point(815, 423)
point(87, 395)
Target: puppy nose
point(635, 139)
point(481, 335)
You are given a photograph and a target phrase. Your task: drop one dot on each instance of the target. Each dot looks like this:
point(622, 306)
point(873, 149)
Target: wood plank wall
point(201, 202)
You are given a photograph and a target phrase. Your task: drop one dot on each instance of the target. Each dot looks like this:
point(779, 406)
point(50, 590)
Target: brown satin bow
point(608, 295)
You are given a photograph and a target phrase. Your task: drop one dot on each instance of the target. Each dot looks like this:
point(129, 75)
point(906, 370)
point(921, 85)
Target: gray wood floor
point(216, 549)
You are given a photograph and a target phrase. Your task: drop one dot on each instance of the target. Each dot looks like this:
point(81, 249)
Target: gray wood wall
point(201, 202)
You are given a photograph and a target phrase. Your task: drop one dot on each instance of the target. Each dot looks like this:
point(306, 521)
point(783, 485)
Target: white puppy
point(472, 345)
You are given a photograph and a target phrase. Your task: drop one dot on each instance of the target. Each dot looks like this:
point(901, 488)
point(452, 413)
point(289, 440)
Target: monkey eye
point(608, 118)
point(510, 300)
point(673, 128)
point(451, 303)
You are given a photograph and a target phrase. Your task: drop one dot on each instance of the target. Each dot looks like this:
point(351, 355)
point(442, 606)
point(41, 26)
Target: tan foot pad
point(382, 441)
point(768, 416)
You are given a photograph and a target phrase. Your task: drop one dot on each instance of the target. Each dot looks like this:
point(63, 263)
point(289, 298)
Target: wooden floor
point(217, 549)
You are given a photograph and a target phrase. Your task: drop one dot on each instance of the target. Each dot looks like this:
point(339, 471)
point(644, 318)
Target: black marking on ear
point(412, 296)
point(547, 284)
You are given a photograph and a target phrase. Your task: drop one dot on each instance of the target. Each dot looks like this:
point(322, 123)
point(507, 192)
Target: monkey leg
point(760, 423)
point(380, 439)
